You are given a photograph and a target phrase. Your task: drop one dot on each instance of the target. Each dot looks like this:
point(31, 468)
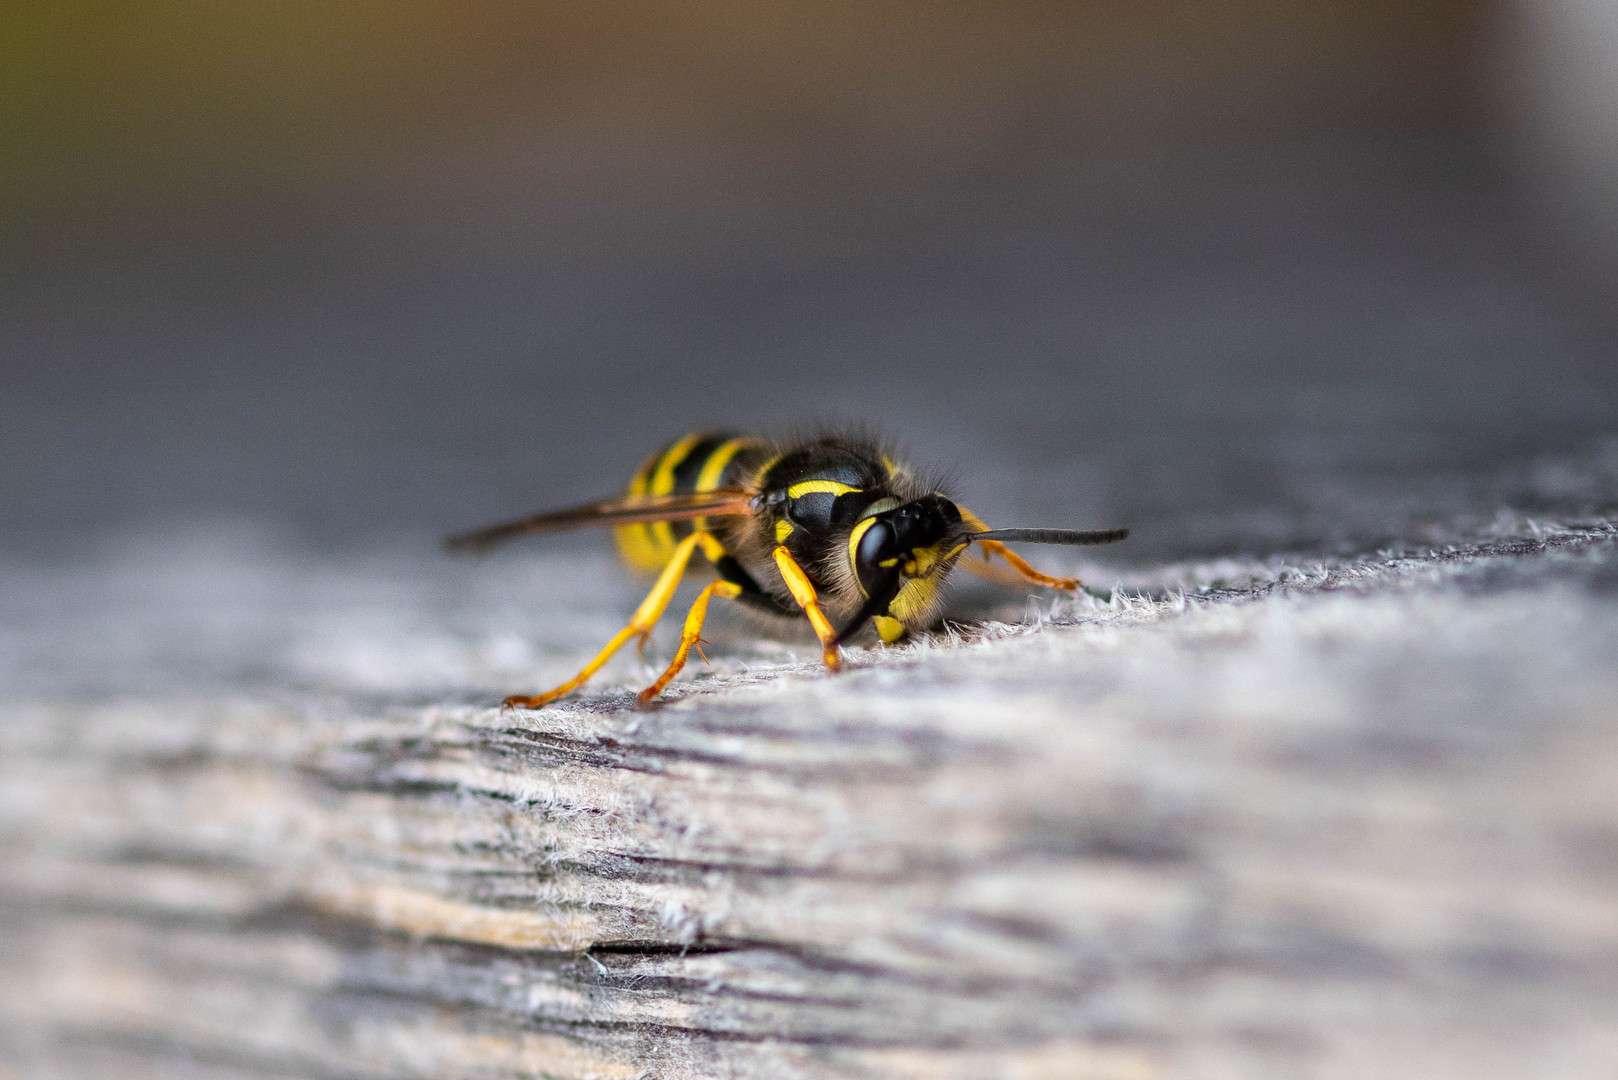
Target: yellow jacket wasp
point(823, 528)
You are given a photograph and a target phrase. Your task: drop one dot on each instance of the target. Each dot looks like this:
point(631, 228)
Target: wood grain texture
point(1353, 818)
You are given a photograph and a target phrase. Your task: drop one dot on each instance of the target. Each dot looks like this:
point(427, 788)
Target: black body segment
point(697, 463)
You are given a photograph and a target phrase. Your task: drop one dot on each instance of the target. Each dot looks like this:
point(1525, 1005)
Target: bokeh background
point(1238, 273)
point(1316, 296)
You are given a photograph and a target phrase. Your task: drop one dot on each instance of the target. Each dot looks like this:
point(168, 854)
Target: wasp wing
point(628, 510)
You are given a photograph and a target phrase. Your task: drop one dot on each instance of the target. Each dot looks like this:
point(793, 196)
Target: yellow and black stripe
point(704, 461)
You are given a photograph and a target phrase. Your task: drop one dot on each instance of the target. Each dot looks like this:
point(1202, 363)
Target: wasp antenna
point(1068, 537)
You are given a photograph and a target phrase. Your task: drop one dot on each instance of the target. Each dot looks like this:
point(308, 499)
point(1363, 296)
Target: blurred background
point(1233, 272)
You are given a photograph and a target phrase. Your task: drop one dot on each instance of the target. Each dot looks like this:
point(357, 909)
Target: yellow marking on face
point(854, 547)
point(890, 630)
point(809, 487)
point(924, 561)
point(881, 506)
point(783, 529)
point(914, 600)
point(923, 578)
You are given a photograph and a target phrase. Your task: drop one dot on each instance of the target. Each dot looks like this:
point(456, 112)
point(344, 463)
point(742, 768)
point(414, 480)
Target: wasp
point(824, 529)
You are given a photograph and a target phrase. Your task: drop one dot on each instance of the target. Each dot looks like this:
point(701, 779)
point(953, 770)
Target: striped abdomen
point(700, 462)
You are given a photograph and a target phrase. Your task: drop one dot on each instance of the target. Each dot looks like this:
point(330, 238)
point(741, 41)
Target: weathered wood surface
point(1355, 818)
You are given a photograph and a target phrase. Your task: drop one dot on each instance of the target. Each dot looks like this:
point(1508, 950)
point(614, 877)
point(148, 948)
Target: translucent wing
point(628, 510)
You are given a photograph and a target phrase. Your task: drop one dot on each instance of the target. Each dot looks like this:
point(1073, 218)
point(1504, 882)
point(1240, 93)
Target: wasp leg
point(645, 617)
point(691, 635)
point(803, 591)
point(985, 569)
point(1026, 572)
point(980, 565)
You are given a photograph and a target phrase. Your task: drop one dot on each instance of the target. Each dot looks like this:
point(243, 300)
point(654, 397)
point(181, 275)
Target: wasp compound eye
point(877, 546)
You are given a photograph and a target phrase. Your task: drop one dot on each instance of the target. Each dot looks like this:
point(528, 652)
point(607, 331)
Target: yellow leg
point(691, 635)
point(651, 609)
point(803, 591)
point(985, 569)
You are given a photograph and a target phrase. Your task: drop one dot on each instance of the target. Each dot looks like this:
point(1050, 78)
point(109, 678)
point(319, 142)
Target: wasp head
point(895, 552)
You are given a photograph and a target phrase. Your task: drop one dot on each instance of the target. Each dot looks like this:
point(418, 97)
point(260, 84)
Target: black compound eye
point(876, 546)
